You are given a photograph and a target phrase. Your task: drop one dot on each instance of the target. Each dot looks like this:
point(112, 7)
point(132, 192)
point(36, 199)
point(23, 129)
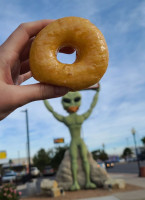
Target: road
point(130, 167)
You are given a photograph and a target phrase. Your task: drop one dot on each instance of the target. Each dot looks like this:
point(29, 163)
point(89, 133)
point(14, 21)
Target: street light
point(134, 138)
point(28, 143)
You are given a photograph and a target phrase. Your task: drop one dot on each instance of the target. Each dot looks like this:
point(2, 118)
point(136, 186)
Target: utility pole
point(28, 142)
point(103, 145)
point(134, 138)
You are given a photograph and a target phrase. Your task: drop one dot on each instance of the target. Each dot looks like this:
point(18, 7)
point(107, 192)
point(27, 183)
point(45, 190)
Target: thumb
point(39, 91)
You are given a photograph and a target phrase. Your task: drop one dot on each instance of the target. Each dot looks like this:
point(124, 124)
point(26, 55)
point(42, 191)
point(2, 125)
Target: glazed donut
point(91, 54)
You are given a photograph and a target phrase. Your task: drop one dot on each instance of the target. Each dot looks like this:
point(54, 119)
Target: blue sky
point(121, 103)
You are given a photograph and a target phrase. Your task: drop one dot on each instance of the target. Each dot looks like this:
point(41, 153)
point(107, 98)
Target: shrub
point(9, 192)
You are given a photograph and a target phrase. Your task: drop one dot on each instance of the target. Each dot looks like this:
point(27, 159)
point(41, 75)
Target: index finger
point(17, 40)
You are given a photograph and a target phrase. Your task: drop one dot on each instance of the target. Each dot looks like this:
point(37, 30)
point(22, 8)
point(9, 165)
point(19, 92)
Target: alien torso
point(71, 103)
point(74, 119)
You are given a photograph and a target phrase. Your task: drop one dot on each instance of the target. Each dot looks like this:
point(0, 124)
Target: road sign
point(59, 140)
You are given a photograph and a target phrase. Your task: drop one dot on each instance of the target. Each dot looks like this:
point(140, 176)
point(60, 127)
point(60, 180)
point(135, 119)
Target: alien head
point(71, 101)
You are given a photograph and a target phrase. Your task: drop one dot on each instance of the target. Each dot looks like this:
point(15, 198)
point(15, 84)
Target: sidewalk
point(133, 195)
point(132, 179)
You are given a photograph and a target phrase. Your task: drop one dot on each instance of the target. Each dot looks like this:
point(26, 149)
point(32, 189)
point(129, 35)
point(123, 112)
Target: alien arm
point(93, 104)
point(56, 115)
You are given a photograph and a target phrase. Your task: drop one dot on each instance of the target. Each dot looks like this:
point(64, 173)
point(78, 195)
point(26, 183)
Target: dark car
point(48, 171)
point(109, 164)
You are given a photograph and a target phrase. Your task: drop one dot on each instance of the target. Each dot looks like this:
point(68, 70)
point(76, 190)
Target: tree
point(143, 140)
point(42, 159)
point(127, 152)
point(52, 157)
point(59, 154)
point(10, 162)
point(96, 154)
point(103, 156)
point(100, 154)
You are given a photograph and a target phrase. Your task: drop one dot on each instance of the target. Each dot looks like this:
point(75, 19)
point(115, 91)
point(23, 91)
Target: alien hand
point(98, 88)
point(95, 87)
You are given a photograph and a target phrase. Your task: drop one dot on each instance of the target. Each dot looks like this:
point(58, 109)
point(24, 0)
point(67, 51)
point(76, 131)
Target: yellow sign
point(59, 140)
point(3, 155)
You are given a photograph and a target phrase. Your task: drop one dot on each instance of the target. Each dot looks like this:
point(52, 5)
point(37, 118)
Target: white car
point(35, 171)
point(10, 176)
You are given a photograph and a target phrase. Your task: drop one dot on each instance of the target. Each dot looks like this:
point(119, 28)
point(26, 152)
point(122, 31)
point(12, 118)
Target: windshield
point(9, 174)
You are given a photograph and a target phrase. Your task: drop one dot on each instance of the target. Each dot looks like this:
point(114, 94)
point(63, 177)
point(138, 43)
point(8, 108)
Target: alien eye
point(77, 99)
point(66, 100)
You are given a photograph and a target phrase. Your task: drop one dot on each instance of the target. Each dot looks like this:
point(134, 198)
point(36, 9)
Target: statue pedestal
point(64, 175)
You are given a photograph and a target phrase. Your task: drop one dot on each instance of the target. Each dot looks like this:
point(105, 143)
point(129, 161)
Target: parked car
point(109, 164)
point(131, 159)
point(35, 172)
point(101, 164)
point(48, 171)
point(122, 160)
point(9, 176)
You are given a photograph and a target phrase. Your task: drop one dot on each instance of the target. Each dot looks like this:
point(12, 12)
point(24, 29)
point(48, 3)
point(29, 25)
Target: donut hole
point(66, 55)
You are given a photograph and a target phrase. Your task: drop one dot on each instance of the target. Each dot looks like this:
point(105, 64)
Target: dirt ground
point(85, 194)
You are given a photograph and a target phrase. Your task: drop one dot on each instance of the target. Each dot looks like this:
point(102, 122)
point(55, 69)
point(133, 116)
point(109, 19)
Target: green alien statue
point(71, 103)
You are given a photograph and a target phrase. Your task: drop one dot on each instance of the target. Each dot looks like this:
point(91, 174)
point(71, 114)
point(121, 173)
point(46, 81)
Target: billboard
point(3, 155)
point(59, 140)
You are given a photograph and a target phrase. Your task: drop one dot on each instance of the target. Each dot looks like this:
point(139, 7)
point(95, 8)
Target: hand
point(14, 69)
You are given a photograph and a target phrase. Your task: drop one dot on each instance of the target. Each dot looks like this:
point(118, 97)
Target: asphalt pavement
point(129, 168)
